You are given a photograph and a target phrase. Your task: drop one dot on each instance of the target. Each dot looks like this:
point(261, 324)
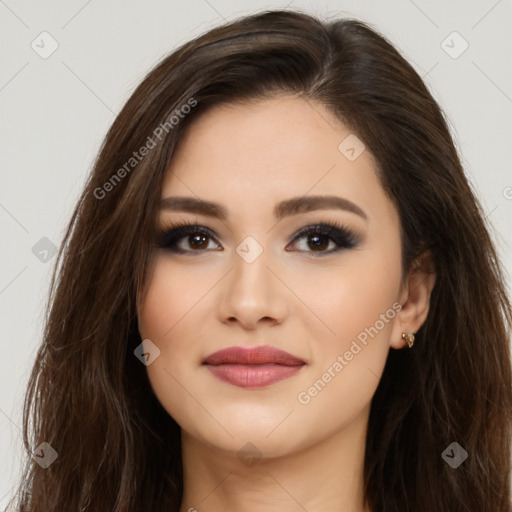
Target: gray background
point(55, 111)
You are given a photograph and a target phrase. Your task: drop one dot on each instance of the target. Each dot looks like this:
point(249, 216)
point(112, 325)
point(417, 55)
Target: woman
point(277, 291)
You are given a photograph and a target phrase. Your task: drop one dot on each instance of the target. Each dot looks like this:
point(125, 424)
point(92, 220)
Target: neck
point(327, 476)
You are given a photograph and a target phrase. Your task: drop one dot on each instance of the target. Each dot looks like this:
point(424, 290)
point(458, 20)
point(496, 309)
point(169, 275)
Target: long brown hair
point(89, 396)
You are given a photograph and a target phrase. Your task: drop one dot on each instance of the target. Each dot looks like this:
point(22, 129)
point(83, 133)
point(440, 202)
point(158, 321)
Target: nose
point(252, 295)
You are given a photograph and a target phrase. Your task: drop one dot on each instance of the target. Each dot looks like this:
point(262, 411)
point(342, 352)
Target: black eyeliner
point(170, 233)
point(343, 237)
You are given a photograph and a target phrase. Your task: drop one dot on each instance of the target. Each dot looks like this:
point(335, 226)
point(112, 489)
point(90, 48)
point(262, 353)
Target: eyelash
point(168, 236)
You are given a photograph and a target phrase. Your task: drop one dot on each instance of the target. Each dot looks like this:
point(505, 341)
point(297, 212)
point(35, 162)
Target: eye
point(187, 238)
point(323, 236)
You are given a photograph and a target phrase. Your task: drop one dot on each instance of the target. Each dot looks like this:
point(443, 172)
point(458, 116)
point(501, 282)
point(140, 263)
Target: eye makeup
point(172, 236)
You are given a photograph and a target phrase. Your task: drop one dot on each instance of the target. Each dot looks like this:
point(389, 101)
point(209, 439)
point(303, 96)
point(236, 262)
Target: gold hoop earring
point(409, 338)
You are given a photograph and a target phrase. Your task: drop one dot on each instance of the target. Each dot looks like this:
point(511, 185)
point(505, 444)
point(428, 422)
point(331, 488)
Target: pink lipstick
point(252, 367)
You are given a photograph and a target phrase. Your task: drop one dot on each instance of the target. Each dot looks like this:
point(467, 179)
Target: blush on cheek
point(169, 297)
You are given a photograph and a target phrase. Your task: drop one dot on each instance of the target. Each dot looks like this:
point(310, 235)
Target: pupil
point(198, 238)
point(318, 244)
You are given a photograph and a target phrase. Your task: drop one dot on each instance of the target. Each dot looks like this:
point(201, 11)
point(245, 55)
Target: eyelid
point(324, 226)
point(343, 237)
point(327, 224)
point(179, 230)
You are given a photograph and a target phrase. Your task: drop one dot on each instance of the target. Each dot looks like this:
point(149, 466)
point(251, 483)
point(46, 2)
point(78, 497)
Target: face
point(251, 278)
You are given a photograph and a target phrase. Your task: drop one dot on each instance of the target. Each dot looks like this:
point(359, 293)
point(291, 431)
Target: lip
point(252, 367)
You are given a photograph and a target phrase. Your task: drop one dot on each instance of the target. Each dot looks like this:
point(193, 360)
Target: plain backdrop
point(56, 109)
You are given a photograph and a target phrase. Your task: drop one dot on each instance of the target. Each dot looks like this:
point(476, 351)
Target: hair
point(89, 397)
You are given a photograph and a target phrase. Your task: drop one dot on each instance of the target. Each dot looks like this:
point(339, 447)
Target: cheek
point(357, 306)
point(362, 299)
point(165, 314)
point(350, 298)
point(356, 303)
point(160, 307)
point(172, 296)
point(169, 317)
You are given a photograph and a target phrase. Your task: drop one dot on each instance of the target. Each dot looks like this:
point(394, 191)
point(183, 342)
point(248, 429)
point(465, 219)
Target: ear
point(414, 299)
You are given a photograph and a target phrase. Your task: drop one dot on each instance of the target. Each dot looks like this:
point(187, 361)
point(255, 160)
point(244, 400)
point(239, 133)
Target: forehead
point(284, 132)
point(249, 153)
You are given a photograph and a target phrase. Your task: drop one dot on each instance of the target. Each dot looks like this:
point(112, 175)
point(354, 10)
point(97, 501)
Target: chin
point(271, 438)
point(251, 443)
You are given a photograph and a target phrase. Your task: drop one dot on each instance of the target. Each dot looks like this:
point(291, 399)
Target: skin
point(248, 157)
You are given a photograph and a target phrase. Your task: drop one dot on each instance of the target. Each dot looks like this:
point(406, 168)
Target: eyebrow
point(283, 209)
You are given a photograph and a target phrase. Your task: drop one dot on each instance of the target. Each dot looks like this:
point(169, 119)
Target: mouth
point(252, 367)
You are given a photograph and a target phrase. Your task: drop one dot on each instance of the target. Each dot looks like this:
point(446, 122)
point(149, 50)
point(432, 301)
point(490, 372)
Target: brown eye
point(322, 236)
point(186, 238)
point(197, 241)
